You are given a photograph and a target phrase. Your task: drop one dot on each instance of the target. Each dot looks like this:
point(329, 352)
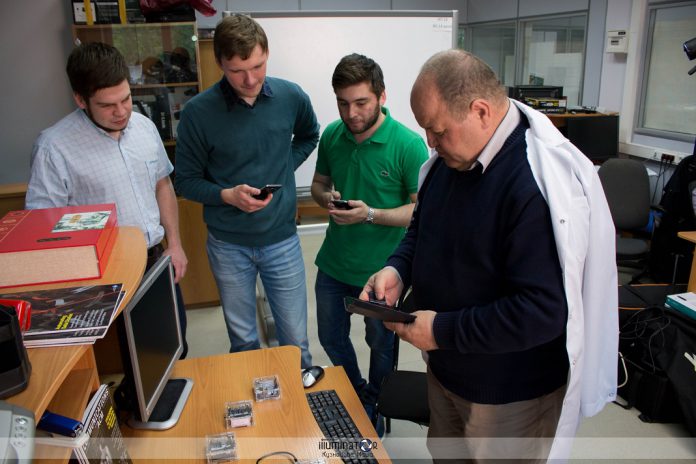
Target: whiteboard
point(305, 47)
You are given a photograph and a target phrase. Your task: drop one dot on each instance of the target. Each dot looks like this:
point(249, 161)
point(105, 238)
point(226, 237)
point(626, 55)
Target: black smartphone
point(269, 188)
point(341, 204)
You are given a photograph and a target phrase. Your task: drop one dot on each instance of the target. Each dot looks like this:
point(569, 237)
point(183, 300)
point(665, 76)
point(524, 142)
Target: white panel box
point(617, 42)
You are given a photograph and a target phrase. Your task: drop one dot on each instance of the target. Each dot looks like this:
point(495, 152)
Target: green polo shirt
point(382, 171)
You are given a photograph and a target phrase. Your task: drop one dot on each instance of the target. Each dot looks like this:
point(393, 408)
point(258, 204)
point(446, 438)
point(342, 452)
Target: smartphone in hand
point(341, 204)
point(269, 188)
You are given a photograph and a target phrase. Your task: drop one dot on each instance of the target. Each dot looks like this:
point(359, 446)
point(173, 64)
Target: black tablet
point(376, 310)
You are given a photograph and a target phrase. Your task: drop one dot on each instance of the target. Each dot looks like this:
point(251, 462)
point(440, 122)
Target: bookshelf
point(163, 60)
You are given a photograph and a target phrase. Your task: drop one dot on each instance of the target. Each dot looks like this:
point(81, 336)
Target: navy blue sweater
point(481, 253)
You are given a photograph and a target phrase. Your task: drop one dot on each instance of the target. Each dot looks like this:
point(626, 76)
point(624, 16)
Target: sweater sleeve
point(192, 161)
point(402, 258)
point(306, 130)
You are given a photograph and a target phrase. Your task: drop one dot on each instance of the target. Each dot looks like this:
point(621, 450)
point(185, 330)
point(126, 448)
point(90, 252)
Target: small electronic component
point(266, 388)
point(221, 448)
point(238, 414)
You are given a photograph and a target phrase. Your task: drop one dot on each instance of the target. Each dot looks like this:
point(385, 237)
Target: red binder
point(56, 244)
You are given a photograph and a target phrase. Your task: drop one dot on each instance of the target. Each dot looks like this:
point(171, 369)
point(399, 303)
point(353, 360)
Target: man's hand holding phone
point(268, 189)
point(341, 204)
point(348, 211)
point(242, 197)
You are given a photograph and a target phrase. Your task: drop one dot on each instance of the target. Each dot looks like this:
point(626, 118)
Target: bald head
point(460, 78)
point(459, 102)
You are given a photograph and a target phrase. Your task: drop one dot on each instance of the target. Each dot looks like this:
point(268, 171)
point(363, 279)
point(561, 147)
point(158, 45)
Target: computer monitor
point(153, 342)
point(597, 136)
point(520, 92)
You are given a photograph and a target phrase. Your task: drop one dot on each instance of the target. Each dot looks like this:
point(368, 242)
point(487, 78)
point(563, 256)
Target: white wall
point(36, 39)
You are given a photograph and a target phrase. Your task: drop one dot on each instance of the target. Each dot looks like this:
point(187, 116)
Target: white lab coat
point(585, 240)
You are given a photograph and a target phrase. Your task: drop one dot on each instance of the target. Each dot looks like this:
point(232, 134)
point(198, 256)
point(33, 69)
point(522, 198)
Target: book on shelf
point(685, 303)
point(69, 316)
point(100, 439)
point(56, 244)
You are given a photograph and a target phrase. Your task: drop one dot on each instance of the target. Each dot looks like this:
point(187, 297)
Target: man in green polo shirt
point(372, 161)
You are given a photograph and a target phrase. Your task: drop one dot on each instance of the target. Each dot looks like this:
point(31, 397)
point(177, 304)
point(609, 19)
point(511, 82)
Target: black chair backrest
point(627, 188)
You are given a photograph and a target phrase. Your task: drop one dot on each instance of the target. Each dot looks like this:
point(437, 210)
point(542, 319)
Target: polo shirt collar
point(381, 135)
point(231, 97)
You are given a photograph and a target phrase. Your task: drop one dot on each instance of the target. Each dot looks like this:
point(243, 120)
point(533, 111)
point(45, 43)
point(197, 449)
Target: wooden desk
point(62, 378)
point(691, 237)
point(286, 424)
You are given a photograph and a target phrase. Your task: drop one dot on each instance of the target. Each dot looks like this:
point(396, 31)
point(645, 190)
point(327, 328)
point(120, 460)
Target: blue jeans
point(282, 272)
point(333, 322)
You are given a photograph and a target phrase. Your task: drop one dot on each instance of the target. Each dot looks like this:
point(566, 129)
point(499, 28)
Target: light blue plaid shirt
point(76, 163)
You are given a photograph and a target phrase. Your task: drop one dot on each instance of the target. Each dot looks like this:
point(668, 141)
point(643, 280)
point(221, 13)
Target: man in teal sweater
point(247, 131)
point(370, 160)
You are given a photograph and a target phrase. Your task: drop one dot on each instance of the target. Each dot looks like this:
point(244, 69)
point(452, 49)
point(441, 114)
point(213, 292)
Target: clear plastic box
point(266, 388)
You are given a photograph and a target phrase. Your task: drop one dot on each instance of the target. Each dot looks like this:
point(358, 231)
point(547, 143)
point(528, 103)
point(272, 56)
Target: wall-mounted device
point(617, 42)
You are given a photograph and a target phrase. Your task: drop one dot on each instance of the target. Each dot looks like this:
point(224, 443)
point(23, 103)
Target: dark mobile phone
point(341, 204)
point(269, 188)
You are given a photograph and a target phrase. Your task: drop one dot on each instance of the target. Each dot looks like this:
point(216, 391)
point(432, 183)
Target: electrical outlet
point(667, 158)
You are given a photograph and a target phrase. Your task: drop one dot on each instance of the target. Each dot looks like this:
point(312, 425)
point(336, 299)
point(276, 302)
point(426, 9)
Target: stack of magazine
point(70, 316)
point(100, 439)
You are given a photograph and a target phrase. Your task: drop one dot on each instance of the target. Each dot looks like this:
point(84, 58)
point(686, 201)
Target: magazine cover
point(70, 312)
point(105, 443)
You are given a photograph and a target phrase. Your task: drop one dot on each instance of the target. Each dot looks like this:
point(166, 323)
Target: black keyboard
point(342, 438)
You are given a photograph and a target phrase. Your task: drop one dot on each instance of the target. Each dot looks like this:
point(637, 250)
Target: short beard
point(106, 129)
point(371, 122)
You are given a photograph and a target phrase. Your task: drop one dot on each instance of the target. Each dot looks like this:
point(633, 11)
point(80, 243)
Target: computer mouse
point(312, 375)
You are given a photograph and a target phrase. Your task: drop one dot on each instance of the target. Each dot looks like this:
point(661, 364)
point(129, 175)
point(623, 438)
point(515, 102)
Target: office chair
point(404, 394)
point(627, 189)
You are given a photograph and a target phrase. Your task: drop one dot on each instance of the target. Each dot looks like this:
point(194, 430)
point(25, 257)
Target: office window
point(495, 44)
point(668, 93)
point(554, 53)
point(539, 51)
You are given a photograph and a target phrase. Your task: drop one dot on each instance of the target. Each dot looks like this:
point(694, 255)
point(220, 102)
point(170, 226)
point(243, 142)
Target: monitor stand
point(168, 408)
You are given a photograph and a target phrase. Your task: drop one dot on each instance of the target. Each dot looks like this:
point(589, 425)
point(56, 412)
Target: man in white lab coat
point(510, 254)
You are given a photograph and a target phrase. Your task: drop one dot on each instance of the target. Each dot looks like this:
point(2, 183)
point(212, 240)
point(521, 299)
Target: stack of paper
point(70, 316)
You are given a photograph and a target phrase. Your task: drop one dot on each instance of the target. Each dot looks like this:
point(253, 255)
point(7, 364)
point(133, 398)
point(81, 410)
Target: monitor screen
point(597, 136)
point(151, 324)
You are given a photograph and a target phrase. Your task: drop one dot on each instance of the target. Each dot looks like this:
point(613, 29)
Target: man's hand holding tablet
point(377, 310)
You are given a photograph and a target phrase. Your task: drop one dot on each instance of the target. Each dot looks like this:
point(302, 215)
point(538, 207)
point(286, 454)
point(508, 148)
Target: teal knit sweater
point(223, 142)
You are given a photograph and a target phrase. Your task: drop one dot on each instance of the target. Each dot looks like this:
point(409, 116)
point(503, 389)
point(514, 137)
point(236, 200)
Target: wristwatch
point(370, 219)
